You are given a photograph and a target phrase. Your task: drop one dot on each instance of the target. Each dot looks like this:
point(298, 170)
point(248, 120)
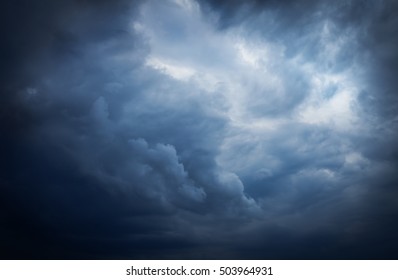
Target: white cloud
point(172, 69)
point(259, 90)
point(337, 112)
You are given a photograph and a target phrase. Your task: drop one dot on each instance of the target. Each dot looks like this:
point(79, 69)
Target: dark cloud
point(218, 129)
point(372, 20)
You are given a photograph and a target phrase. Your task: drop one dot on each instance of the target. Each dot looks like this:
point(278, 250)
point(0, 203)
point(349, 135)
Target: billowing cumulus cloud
point(198, 129)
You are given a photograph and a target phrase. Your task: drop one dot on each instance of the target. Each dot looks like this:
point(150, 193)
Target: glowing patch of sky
point(250, 76)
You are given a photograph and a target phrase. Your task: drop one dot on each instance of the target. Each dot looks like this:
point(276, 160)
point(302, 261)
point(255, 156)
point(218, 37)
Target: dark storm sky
point(198, 129)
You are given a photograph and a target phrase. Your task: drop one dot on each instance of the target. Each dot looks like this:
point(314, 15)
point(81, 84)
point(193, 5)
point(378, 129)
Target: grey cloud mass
point(186, 129)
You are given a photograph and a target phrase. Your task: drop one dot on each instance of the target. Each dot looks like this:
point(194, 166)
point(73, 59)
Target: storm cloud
point(198, 129)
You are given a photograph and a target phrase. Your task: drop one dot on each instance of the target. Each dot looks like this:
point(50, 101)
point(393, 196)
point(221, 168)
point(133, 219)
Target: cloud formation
point(199, 129)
